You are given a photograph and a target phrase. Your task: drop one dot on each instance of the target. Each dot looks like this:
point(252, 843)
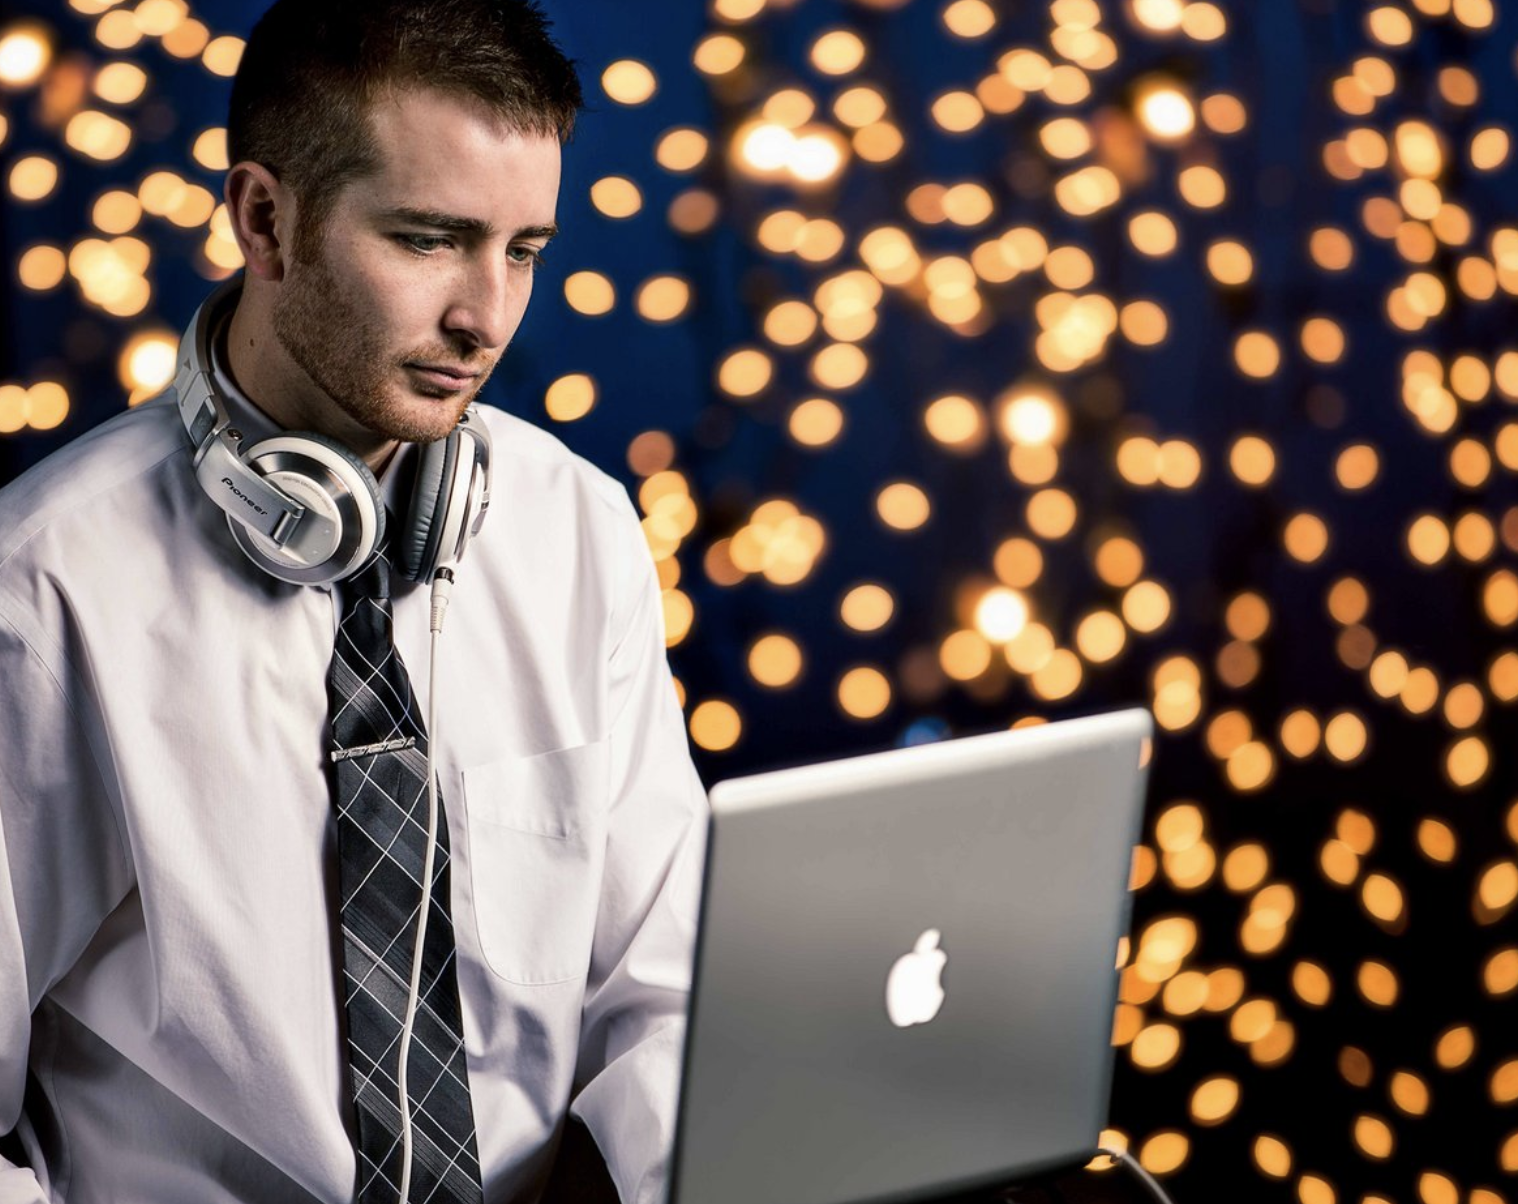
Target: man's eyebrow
point(440, 220)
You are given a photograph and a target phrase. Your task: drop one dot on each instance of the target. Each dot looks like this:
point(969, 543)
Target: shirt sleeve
point(63, 867)
point(633, 1026)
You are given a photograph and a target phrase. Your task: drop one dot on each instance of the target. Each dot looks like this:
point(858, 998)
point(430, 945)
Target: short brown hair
point(313, 68)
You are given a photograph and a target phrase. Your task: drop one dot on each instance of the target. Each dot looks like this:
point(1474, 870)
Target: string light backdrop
point(975, 364)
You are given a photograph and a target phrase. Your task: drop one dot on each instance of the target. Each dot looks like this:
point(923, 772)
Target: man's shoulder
point(86, 478)
point(532, 457)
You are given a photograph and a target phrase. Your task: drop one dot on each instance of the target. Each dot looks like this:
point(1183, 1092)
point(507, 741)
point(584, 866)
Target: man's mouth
point(445, 376)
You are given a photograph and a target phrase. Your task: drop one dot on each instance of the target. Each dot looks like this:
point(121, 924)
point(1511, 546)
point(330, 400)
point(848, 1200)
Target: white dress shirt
point(169, 1019)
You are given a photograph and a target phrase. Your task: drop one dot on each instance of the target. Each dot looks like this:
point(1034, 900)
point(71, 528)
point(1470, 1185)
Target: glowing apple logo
point(914, 992)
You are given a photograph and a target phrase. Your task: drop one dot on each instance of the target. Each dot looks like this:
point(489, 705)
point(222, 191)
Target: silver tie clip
point(369, 750)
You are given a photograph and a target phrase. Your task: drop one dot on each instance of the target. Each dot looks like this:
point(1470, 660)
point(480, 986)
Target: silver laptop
point(905, 972)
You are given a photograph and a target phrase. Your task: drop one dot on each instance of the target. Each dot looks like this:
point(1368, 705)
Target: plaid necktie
point(379, 753)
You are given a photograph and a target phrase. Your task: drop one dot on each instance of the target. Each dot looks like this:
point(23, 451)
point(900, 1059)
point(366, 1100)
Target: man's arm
point(63, 867)
point(633, 1027)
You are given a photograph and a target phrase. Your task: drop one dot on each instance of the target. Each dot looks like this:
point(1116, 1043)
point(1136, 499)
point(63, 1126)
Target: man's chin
point(414, 421)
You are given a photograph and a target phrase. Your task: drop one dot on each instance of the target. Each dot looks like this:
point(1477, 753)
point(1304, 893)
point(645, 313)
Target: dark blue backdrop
point(1383, 811)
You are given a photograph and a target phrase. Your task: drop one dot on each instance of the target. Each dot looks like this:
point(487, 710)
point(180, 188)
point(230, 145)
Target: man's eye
point(423, 244)
point(526, 256)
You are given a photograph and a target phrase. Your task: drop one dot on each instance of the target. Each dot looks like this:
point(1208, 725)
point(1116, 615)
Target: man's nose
point(485, 306)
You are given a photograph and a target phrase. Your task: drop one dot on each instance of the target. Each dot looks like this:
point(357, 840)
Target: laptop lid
point(905, 973)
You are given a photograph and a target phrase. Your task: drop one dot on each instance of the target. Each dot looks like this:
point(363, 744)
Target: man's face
point(424, 270)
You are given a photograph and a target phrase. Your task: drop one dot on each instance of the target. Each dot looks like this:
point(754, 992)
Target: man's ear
point(260, 207)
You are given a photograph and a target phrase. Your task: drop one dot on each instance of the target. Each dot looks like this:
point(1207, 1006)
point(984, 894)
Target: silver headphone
point(302, 506)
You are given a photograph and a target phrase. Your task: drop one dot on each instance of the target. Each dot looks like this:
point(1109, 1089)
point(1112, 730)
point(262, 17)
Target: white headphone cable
point(442, 586)
point(1136, 1168)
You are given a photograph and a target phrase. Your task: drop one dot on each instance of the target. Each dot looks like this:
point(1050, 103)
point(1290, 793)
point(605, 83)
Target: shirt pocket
point(532, 865)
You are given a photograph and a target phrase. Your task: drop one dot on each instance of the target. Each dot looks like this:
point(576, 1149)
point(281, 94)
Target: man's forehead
point(395, 108)
point(441, 154)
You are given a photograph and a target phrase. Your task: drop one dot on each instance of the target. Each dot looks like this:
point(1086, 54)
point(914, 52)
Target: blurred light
point(679, 613)
point(1489, 148)
point(42, 267)
point(838, 52)
point(1119, 562)
point(716, 726)
point(1100, 636)
point(1257, 354)
point(718, 54)
point(663, 298)
point(867, 608)
point(1068, 85)
point(650, 453)
point(629, 82)
point(187, 40)
point(839, 366)
point(14, 409)
point(956, 422)
point(1230, 262)
point(616, 196)
point(1066, 138)
point(1144, 323)
point(903, 506)
point(1357, 467)
point(1214, 1100)
point(1025, 69)
point(1165, 111)
point(681, 150)
point(157, 18)
point(816, 422)
point(570, 397)
point(117, 31)
point(964, 655)
point(97, 135)
point(210, 149)
point(864, 693)
point(1159, 16)
point(120, 83)
point(222, 55)
point(1146, 607)
point(33, 178)
point(1203, 22)
point(1152, 234)
point(590, 293)
point(745, 373)
point(25, 52)
point(878, 143)
point(969, 18)
point(860, 107)
point(1389, 26)
point(1033, 417)
point(47, 405)
point(1019, 563)
point(738, 11)
point(775, 661)
point(957, 112)
point(1202, 187)
point(1001, 614)
point(146, 363)
point(1051, 513)
point(1245, 867)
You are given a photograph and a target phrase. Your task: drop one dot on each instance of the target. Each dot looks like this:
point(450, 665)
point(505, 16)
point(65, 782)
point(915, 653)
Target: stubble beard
point(345, 357)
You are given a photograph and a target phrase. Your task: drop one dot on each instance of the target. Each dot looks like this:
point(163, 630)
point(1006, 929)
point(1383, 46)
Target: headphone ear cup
point(417, 548)
point(344, 524)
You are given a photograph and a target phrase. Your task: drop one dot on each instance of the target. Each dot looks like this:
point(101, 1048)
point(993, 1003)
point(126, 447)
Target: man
point(200, 1000)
